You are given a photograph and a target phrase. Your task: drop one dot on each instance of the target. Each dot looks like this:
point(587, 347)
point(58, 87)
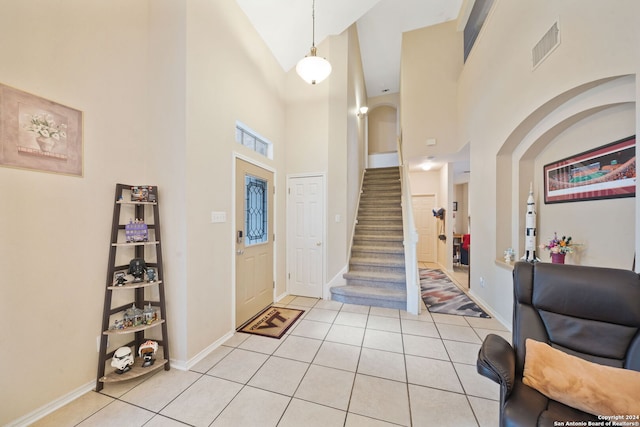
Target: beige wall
point(54, 229)
point(383, 129)
point(430, 65)
point(514, 102)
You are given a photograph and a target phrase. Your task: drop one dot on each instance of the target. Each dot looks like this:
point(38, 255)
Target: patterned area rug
point(441, 295)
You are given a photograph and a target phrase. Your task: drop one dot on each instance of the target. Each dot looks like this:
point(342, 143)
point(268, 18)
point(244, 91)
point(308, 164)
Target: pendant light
point(313, 69)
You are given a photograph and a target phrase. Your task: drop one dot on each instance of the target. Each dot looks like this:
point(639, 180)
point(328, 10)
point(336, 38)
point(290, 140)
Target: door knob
point(240, 251)
point(318, 243)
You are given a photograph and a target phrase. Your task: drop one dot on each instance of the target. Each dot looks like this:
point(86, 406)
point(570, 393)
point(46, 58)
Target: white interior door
point(305, 236)
point(254, 240)
point(426, 226)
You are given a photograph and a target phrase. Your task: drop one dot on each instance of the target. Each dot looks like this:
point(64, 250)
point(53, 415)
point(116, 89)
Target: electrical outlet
point(482, 282)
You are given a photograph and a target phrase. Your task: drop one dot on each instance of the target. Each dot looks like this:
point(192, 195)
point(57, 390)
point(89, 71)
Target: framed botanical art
point(605, 172)
point(39, 134)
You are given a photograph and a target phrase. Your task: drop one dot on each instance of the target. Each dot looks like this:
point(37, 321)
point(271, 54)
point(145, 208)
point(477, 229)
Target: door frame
point(323, 176)
point(235, 156)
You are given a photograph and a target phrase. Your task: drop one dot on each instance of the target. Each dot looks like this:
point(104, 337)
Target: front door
point(305, 236)
point(254, 240)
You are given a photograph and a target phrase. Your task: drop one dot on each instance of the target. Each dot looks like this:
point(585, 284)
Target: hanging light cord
point(313, 24)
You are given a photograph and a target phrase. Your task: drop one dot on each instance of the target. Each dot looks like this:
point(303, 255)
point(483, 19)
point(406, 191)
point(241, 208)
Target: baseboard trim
point(52, 406)
point(493, 314)
point(205, 352)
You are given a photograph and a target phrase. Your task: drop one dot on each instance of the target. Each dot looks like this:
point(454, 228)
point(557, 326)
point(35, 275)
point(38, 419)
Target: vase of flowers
point(559, 248)
point(46, 130)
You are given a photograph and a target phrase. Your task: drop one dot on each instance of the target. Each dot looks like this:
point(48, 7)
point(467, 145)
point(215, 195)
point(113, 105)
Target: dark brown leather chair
point(589, 312)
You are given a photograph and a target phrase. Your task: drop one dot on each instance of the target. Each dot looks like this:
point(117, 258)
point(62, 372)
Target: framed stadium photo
point(606, 172)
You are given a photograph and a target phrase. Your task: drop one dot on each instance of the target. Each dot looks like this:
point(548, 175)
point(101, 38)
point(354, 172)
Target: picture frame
point(39, 134)
point(606, 172)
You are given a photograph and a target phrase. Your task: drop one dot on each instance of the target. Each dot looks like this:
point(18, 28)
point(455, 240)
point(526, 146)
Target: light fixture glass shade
point(313, 69)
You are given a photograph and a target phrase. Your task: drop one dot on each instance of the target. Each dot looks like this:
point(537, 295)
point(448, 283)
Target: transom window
point(252, 140)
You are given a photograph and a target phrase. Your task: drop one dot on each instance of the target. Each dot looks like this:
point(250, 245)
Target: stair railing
point(410, 238)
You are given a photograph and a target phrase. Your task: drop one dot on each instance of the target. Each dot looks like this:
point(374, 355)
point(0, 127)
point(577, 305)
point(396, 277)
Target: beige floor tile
point(326, 386)
point(155, 393)
point(450, 319)
point(424, 316)
point(237, 339)
point(253, 407)
point(434, 373)
point(382, 340)
point(430, 407)
point(381, 323)
point(385, 312)
point(311, 329)
point(338, 356)
point(487, 411)
point(355, 420)
point(475, 384)
point(239, 365)
point(162, 421)
point(298, 348)
point(424, 347)
point(458, 333)
point(354, 308)
point(279, 375)
point(345, 335)
point(201, 403)
point(328, 304)
point(211, 359)
point(302, 413)
point(383, 364)
point(482, 333)
point(321, 315)
point(120, 388)
point(260, 344)
point(417, 327)
point(480, 322)
point(304, 301)
point(76, 411)
point(380, 399)
point(462, 352)
point(287, 300)
point(118, 414)
point(351, 319)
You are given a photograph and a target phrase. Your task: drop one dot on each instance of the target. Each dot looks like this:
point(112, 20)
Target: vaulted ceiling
point(286, 27)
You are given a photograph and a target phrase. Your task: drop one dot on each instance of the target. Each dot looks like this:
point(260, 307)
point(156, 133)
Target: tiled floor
point(341, 365)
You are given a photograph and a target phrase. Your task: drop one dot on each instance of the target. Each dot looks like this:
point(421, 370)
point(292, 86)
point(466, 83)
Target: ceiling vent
point(546, 45)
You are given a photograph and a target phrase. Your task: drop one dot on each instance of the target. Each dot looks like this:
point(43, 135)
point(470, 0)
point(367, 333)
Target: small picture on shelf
point(144, 193)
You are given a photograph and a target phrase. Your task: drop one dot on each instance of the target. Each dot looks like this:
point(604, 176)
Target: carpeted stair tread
point(381, 293)
point(373, 276)
point(378, 249)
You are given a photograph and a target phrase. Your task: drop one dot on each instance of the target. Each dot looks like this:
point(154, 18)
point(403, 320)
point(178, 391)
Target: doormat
point(441, 295)
point(272, 322)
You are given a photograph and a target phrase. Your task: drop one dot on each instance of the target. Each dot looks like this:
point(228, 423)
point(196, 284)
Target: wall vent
point(546, 45)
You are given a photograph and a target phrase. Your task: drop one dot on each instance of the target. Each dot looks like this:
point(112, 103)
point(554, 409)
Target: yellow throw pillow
point(590, 387)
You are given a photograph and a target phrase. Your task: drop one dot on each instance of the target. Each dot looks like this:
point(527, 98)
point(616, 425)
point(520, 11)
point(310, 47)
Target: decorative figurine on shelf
point(151, 274)
point(530, 230)
point(122, 360)
point(120, 279)
point(136, 231)
point(147, 350)
point(133, 316)
point(136, 269)
point(149, 314)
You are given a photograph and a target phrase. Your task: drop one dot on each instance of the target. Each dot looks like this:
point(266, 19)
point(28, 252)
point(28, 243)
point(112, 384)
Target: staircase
point(376, 273)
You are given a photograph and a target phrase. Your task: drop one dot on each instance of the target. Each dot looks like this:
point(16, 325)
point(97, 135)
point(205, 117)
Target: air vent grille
point(546, 45)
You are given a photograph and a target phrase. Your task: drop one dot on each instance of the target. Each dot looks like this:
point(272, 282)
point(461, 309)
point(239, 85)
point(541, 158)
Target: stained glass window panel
point(256, 199)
